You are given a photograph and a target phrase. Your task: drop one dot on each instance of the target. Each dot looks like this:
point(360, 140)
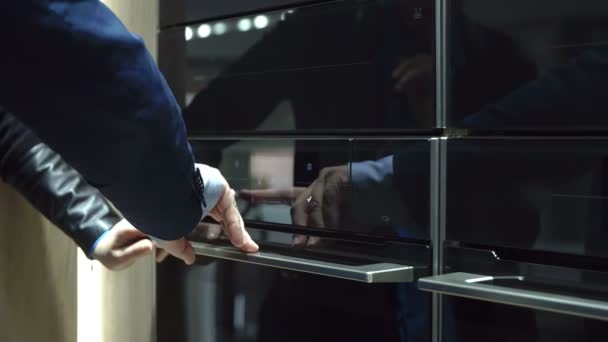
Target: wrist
point(213, 187)
point(91, 252)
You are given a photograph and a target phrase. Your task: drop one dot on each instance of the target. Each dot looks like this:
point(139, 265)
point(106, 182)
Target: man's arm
point(88, 87)
point(63, 196)
point(51, 186)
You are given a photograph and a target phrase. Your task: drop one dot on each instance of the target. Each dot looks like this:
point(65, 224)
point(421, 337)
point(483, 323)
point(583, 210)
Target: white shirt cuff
point(213, 187)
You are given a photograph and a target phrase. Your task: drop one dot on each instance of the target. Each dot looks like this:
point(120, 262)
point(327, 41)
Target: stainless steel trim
point(435, 236)
point(472, 286)
point(438, 183)
point(441, 63)
point(311, 137)
point(441, 102)
point(369, 273)
point(435, 202)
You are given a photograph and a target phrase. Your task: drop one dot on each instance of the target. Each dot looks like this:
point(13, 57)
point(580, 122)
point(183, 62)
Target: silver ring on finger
point(311, 205)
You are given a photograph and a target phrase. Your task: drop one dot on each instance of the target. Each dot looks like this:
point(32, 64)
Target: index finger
point(233, 223)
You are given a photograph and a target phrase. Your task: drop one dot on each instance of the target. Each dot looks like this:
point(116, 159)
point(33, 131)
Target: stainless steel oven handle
point(369, 273)
point(473, 286)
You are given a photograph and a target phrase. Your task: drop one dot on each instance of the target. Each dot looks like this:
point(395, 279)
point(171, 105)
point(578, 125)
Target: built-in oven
point(323, 68)
point(525, 256)
point(523, 191)
point(344, 233)
point(536, 66)
point(316, 113)
point(376, 142)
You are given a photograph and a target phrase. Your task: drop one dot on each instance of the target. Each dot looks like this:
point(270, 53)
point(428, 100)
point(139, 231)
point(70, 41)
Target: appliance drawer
point(230, 296)
point(491, 293)
point(359, 66)
point(517, 66)
point(363, 187)
point(530, 194)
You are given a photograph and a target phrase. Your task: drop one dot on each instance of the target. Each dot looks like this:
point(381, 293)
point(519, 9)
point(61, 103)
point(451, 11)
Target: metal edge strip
point(456, 284)
point(370, 273)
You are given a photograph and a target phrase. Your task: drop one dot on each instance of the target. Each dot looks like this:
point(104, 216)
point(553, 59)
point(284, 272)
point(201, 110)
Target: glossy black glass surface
point(529, 194)
point(364, 187)
point(528, 65)
point(219, 301)
point(334, 67)
point(476, 320)
point(471, 320)
point(175, 12)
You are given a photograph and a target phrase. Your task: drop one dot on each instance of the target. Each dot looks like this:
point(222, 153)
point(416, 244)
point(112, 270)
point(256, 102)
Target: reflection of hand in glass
point(321, 205)
point(414, 79)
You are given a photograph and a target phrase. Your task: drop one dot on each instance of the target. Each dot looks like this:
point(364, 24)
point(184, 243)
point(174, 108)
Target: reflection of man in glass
point(394, 60)
point(333, 63)
point(567, 96)
point(519, 173)
point(345, 66)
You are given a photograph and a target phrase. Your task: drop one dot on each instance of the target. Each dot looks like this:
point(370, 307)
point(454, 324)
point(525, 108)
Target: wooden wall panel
point(126, 299)
point(37, 275)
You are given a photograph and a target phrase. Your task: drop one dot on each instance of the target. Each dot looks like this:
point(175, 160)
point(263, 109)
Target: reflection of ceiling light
point(219, 28)
point(204, 31)
point(188, 33)
point(244, 24)
point(260, 21)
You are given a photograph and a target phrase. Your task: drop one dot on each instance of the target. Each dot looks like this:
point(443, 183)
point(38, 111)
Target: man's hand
point(207, 231)
point(122, 246)
point(181, 249)
point(227, 214)
point(414, 79)
point(322, 205)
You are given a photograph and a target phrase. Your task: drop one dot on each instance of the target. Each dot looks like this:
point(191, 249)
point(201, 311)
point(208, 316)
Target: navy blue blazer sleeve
point(88, 87)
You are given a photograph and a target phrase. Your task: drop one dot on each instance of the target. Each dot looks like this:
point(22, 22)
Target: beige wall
point(125, 300)
point(140, 16)
point(37, 275)
point(48, 290)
